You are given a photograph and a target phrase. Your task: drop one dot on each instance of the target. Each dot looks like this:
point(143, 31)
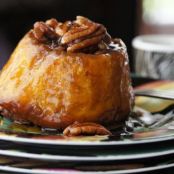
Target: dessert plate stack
point(26, 152)
point(28, 149)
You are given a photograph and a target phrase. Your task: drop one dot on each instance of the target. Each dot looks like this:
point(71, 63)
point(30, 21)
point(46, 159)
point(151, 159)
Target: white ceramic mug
point(154, 56)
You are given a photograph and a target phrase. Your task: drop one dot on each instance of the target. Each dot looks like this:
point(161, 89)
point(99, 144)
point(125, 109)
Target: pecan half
point(43, 32)
point(78, 129)
point(82, 27)
point(83, 35)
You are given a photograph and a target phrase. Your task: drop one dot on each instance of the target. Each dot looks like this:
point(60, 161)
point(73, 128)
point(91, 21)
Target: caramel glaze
point(54, 89)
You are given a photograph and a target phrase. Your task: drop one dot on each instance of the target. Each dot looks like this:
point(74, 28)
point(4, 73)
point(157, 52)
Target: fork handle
point(154, 93)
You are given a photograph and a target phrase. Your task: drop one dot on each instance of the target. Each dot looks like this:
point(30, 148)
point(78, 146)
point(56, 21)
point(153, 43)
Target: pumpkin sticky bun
point(70, 76)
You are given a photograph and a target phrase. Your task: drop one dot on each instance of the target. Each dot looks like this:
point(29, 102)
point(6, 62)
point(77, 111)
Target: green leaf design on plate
point(6, 125)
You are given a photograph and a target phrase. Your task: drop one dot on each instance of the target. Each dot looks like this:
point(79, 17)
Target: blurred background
point(124, 19)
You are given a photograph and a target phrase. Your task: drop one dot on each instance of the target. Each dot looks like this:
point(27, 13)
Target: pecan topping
point(43, 32)
point(78, 129)
point(81, 35)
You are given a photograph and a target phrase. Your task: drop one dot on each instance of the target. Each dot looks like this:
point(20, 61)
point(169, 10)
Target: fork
point(163, 94)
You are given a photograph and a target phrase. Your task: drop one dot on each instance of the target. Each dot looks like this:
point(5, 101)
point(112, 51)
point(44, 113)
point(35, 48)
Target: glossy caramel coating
point(54, 89)
point(66, 73)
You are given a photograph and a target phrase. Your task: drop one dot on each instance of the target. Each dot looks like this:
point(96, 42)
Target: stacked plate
point(27, 149)
point(54, 154)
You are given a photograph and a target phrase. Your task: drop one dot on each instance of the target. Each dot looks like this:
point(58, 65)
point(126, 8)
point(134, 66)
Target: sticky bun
point(70, 74)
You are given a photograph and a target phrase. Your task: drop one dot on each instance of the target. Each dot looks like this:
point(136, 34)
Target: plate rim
point(128, 171)
point(11, 138)
point(68, 158)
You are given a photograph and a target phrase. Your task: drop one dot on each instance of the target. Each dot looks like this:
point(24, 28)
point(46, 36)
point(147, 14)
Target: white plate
point(92, 141)
point(40, 171)
point(132, 154)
